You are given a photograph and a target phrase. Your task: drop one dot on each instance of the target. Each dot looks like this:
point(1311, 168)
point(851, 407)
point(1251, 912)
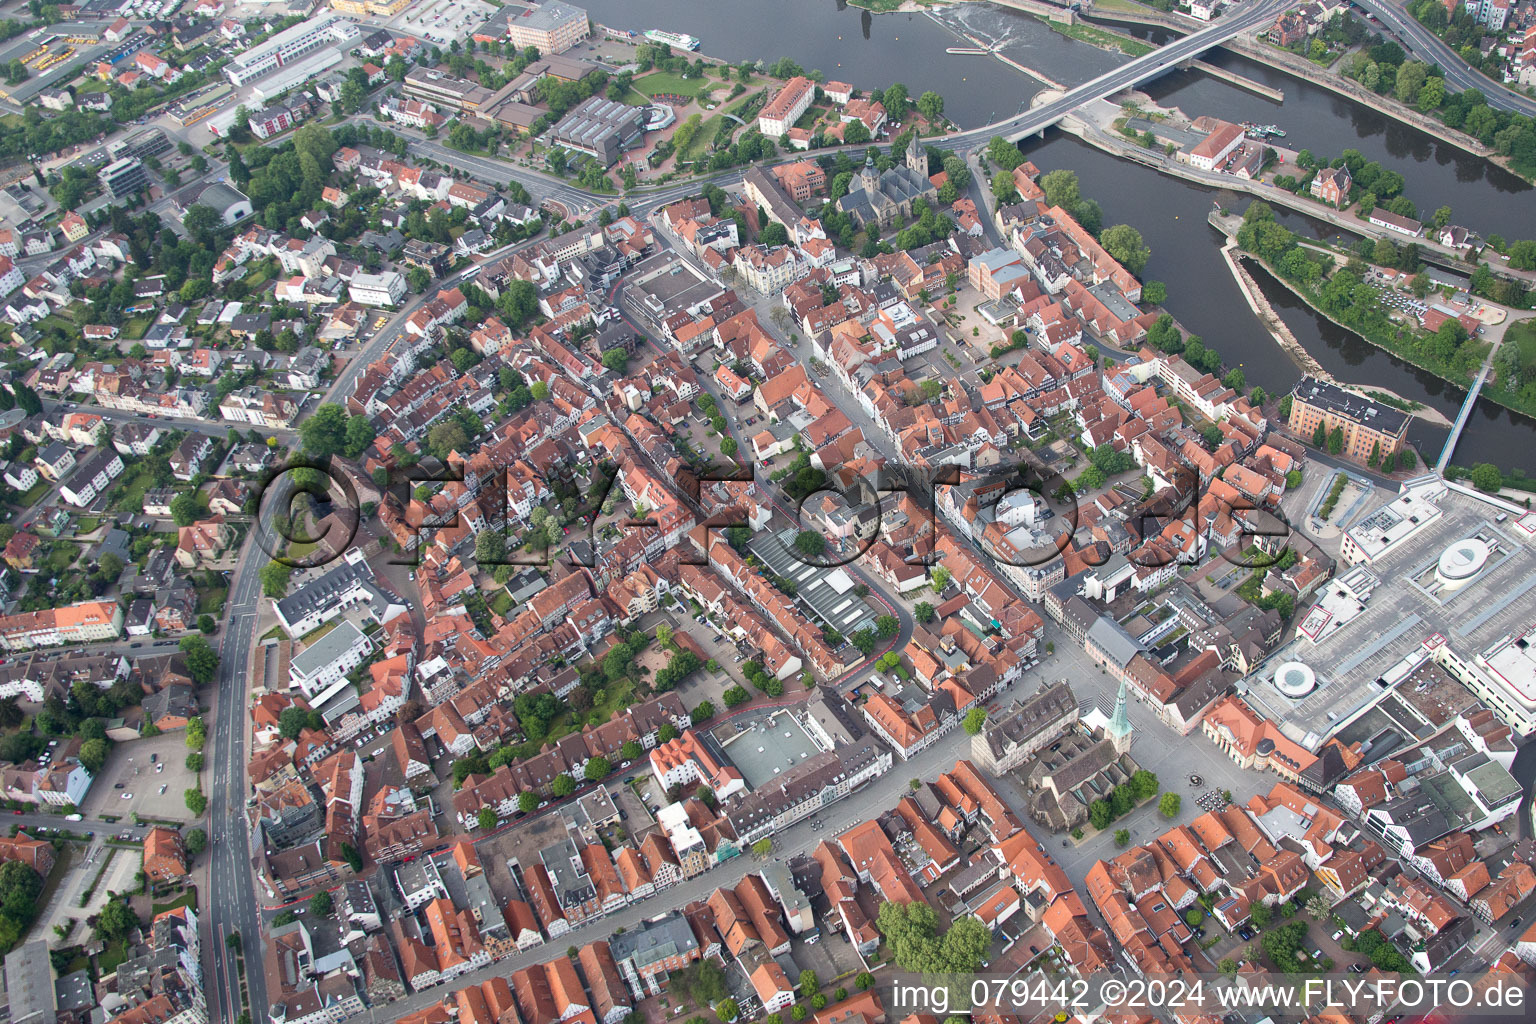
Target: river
point(846, 43)
point(872, 51)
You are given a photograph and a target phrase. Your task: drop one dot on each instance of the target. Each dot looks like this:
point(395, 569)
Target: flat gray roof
point(766, 748)
point(1357, 664)
point(326, 649)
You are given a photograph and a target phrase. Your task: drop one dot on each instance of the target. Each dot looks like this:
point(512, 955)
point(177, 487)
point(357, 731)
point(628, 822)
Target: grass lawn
point(186, 899)
point(1100, 38)
point(110, 958)
point(135, 329)
point(132, 485)
point(701, 141)
point(211, 601)
point(34, 494)
point(275, 633)
point(299, 549)
point(1522, 335)
point(60, 557)
point(666, 82)
point(501, 603)
point(87, 524)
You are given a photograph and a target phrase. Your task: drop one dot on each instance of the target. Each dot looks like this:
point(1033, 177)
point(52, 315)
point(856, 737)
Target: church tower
point(1119, 728)
point(869, 177)
point(916, 158)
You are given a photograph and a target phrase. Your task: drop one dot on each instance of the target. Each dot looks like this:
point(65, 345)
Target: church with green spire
point(1118, 731)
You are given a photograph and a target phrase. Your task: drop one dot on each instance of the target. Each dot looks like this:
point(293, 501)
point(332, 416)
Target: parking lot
point(147, 777)
point(445, 20)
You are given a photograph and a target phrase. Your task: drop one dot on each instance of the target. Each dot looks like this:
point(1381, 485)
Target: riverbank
point(1286, 338)
point(1296, 67)
point(1092, 125)
point(1290, 64)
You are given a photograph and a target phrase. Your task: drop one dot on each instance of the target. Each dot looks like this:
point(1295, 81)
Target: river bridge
point(1463, 415)
point(1166, 58)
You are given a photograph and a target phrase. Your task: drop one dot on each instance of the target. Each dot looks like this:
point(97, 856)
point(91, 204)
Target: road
point(1426, 46)
point(234, 907)
point(204, 426)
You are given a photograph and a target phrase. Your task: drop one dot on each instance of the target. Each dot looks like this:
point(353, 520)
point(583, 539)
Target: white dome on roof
point(1462, 561)
point(1295, 679)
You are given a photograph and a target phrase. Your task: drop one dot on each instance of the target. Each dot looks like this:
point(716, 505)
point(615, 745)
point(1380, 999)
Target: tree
point(923, 612)
point(325, 432)
point(527, 801)
point(114, 921)
point(202, 662)
point(1487, 478)
point(1123, 242)
point(1261, 915)
point(1411, 77)
point(975, 719)
point(1003, 188)
point(1100, 814)
point(197, 733)
point(1122, 836)
point(93, 755)
point(931, 105)
point(773, 234)
point(563, 786)
point(726, 1009)
point(486, 819)
point(184, 508)
point(321, 905)
point(1154, 293)
point(615, 359)
point(597, 769)
point(810, 543)
point(1336, 441)
point(196, 841)
point(1168, 805)
point(274, 579)
point(445, 438)
point(809, 985)
point(197, 803)
point(1143, 784)
point(1061, 188)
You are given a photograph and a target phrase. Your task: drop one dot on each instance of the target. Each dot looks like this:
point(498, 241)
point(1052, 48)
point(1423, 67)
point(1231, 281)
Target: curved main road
point(1428, 47)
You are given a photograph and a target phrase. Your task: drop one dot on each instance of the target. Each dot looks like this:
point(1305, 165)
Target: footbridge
point(1463, 416)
